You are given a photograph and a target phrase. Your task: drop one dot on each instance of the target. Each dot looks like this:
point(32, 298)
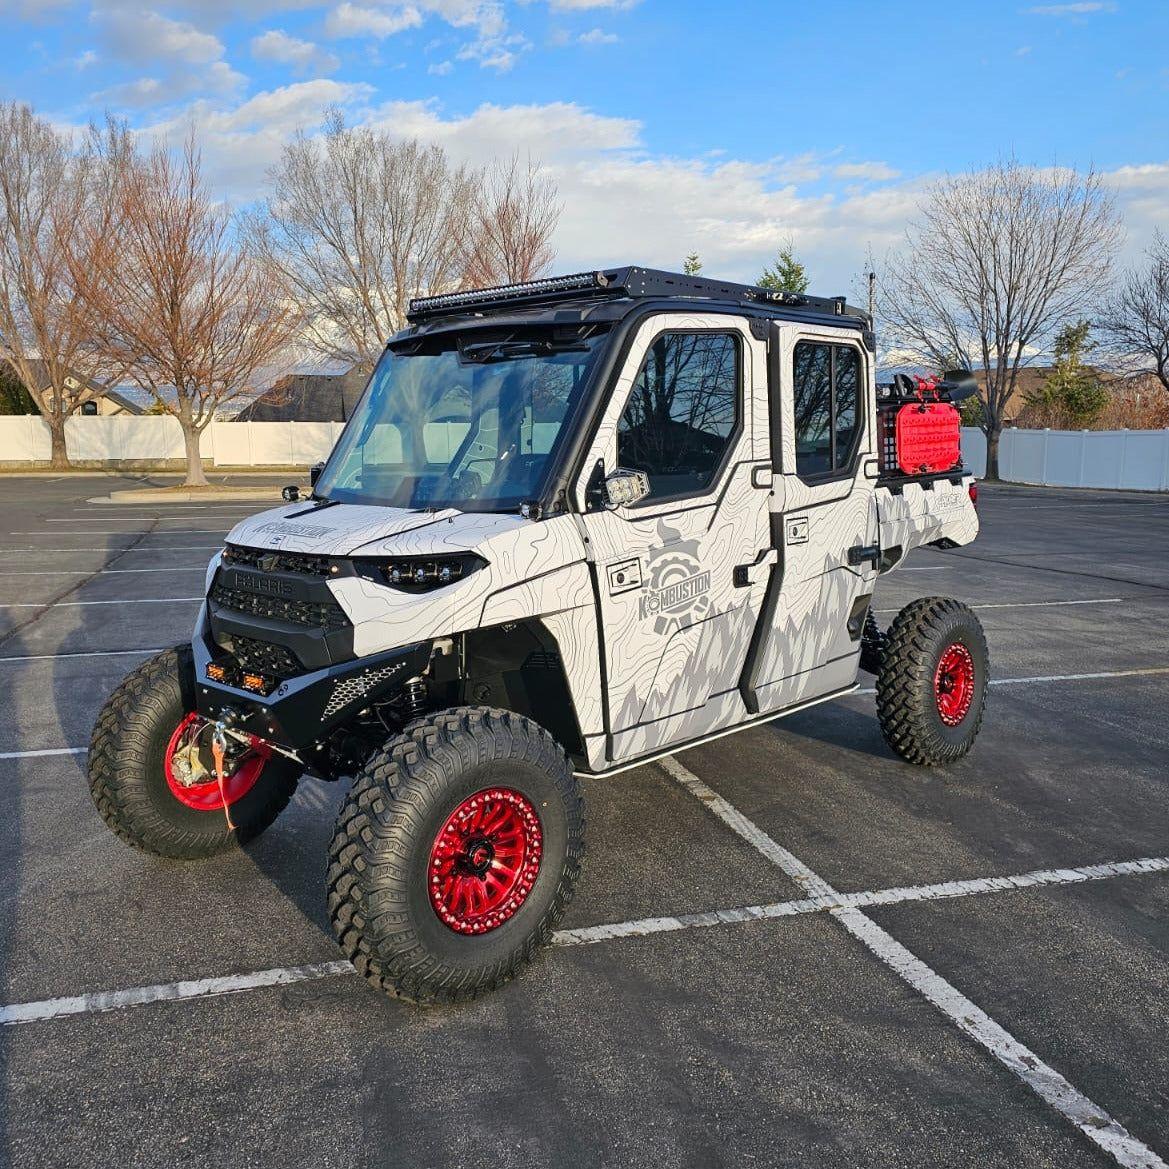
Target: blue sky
point(668, 126)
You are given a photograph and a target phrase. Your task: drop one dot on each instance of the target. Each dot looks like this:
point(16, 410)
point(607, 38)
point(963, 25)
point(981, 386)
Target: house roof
point(43, 382)
point(308, 397)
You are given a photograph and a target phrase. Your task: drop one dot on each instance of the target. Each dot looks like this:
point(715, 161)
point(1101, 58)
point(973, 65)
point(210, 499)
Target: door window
point(827, 407)
point(682, 412)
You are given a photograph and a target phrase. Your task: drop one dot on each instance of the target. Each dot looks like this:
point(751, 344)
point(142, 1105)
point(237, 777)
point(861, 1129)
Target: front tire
point(931, 689)
point(455, 855)
point(146, 796)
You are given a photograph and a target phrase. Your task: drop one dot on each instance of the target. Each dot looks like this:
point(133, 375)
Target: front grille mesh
point(327, 615)
point(272, 661)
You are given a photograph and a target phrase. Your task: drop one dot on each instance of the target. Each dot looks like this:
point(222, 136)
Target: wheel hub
point(485, 860)
point(954, 683)
point(190, 774)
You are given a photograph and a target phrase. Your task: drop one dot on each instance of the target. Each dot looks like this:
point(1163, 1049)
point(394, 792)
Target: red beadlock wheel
point(954, 684)
point(206, 797)
point(485, 860)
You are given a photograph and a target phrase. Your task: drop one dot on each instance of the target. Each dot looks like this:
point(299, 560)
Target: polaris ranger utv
point(573, 525)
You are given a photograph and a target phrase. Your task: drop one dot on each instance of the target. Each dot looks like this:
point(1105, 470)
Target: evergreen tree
point(787, 275)
point(692, 265)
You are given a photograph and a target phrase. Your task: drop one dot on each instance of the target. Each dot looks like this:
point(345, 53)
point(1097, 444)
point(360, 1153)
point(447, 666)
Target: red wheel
point(485, 860)
point(187, 759)
point(954, 683)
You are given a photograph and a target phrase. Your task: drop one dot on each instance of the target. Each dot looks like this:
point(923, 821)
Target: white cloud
point(85, 59)
point(1085, 8)
point(498, 53)
point(145, 37)
point(624, 203)
point(872, 171)
point(441, 68)
point(217, 79)
point(354, 20)
point(598, 36)
point(304, 56)
point(584, 5)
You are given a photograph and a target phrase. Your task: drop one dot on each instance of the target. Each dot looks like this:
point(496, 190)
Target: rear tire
point(931, 689)
point(128, 769)
point(455, 855)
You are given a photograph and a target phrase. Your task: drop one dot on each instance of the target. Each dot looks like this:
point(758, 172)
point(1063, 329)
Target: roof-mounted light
point(423, 306)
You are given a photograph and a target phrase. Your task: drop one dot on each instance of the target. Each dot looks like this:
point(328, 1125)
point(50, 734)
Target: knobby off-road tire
point(404, 848)
point(127, 769)
point(931, 689)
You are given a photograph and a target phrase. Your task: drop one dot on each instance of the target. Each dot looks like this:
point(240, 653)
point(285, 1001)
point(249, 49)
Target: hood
point(335, 530)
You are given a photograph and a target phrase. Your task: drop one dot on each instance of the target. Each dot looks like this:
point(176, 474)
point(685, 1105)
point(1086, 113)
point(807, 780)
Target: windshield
point(471, 423)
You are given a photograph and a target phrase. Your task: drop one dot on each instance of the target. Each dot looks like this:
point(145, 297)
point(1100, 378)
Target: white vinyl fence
point(1133, 459)
point(1137, 460)
point(151, 438)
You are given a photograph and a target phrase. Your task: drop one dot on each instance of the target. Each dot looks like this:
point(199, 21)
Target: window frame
point(733, 437)
point(848, 470)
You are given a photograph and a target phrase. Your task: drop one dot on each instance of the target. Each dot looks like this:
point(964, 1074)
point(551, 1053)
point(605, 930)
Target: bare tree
point(48, 191)
point(508, 237)
point(358, 223)
point(1136, 319)
point(189, 310)
point(996, 262)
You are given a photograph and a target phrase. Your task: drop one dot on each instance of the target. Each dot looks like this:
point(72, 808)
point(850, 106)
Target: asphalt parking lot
point(880, 998)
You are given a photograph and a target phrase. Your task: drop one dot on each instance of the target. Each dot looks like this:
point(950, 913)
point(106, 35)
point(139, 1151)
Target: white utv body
point(572, 525)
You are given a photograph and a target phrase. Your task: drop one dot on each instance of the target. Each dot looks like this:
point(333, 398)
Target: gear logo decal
point(678, 586)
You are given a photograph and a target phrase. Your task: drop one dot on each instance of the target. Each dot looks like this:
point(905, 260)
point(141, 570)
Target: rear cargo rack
point(629, 282)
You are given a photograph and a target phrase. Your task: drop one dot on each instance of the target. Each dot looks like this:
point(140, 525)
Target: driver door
point(680, 575)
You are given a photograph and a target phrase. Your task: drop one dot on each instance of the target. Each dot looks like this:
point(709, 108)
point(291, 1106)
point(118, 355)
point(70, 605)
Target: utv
point(573, 525)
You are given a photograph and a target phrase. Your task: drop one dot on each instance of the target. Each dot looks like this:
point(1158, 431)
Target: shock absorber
point(415, 696)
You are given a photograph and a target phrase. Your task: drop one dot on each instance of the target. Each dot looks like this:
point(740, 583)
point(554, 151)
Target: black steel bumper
point(302, 710)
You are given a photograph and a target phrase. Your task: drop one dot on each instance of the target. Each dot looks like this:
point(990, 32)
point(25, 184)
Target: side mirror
point(959, 384)
point(290, 494)
point(314, 473)
point(623, 488)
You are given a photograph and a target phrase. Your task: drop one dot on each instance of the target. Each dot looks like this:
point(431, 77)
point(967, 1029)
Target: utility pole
point(872, 293)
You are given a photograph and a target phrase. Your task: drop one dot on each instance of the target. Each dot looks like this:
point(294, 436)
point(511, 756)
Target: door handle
point(864, 552)
point(749, 574)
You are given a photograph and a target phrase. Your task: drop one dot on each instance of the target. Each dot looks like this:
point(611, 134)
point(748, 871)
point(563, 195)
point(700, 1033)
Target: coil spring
point(414, 698)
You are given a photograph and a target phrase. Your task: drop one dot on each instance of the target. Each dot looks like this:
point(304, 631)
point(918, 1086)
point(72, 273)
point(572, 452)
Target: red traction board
point(928, 437)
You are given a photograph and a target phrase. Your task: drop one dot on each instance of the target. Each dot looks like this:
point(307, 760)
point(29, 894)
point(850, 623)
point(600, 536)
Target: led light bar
point(422, 306)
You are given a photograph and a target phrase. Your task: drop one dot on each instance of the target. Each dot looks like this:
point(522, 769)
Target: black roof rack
point(607, 283)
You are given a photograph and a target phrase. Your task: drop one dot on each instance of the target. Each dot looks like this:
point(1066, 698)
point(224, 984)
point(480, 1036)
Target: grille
point(327, 615)
point(273, 661)
point(284, 561)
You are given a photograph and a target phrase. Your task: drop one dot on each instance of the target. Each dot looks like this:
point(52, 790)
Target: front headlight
point(420, 574)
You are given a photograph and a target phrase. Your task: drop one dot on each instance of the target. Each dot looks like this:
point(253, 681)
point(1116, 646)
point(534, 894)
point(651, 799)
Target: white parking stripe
point(74, 604)
point(93, 653)
point(85, 1004)
point(1150, 672)
point(36, 1012)
point(103, 571)
point(1044, 1080)
point(42, 754)
point(1040, 604)
point(129, 548)
point(129, 532)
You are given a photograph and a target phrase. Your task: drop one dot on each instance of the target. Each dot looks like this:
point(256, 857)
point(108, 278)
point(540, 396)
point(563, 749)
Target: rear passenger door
point(824, 522)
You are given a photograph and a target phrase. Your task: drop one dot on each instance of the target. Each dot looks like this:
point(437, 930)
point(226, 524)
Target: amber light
point(216, 672)
point(255, 682)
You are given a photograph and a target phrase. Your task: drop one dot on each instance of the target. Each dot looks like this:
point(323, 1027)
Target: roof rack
point(608, 283)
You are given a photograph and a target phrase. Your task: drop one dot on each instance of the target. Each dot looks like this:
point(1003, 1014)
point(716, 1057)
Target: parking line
point(43, 754)
point(100, 1001)
point(1150, 672)
point(73, 604)
point(130, 548)
point(87, 572)
point(131, 532)
point(1040, 604)
point(1040, 1077)
point(93, 653)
